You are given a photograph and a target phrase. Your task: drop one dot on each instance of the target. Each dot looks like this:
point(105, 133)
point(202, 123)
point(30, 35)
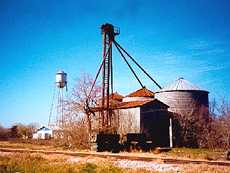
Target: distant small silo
point(184, 98)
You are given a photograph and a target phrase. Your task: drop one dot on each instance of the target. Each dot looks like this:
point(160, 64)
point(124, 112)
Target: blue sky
point(188, 38)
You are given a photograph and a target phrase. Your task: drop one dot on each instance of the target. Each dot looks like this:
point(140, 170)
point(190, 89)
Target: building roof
point(143, 92)
point(116, 96)
point(126, 105)
point(181, 85)
point(43, 128)
point(132, 104)
point(114, 99)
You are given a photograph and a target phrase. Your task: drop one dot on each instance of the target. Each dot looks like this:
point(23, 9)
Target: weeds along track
point(120, 156)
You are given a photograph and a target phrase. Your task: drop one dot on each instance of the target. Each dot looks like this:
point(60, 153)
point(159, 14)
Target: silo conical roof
point(181, 85)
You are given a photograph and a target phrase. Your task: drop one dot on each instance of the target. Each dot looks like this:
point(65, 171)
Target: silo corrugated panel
point(182, 97)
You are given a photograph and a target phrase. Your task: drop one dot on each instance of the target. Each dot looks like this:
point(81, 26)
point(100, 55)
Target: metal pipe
point(137, 63)
point(129, 66)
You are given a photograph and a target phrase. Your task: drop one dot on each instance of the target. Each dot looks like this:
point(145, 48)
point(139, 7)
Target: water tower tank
point(183, 98)
point(61, 79)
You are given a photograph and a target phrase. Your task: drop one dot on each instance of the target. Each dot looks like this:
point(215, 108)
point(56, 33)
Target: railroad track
point(120, 156)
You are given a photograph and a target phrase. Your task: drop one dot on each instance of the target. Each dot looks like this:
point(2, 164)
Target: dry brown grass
point(29, 144)
point(190, 153)
point(40, 163)
point(205, 154)
point(203, 168)
point(29, 163)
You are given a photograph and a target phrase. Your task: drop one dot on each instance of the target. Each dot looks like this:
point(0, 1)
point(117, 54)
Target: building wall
point(131, 99)
point(154, 122)
point(129, 120)
point(124, 121)
point(43, 134)
point(150, 119)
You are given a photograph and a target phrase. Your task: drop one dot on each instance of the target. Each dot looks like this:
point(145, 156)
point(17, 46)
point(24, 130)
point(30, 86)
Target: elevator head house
point(144, 113)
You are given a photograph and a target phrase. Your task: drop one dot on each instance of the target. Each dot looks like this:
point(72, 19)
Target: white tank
point(61, 79)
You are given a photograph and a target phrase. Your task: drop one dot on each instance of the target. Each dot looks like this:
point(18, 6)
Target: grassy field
point(38, 163)
point(175, 152)
point(205, 154)
point(31, 144)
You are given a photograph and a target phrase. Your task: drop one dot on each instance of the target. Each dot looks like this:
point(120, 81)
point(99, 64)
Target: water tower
point(61, 79)
point(56, 117)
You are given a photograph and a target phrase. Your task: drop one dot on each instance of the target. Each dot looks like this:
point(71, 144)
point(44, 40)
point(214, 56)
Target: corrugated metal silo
point(184, 98)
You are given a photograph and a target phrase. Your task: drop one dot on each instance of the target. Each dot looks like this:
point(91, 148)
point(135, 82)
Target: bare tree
point(23, 131)
point(197, 129)
point(74, 133)
point(4, 133)
point(219, 134)
point(81, 101)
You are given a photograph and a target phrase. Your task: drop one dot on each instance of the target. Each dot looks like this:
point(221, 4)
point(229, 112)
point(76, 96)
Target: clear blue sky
point(189, 38)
